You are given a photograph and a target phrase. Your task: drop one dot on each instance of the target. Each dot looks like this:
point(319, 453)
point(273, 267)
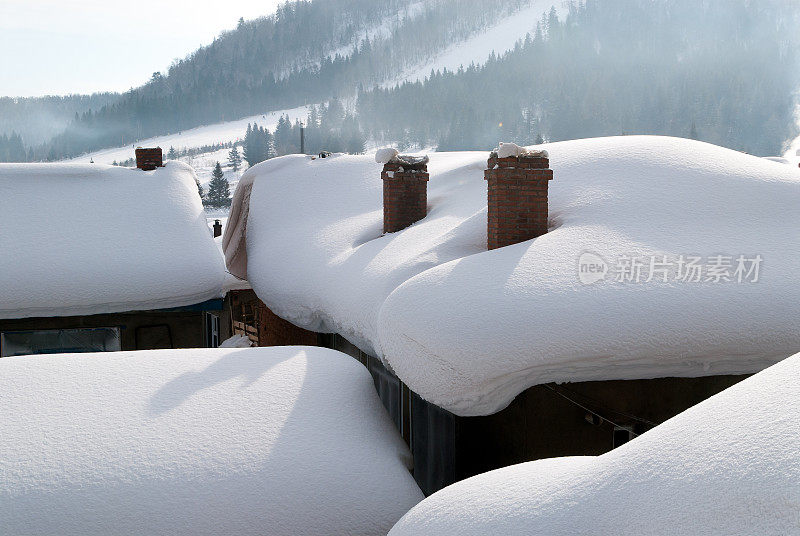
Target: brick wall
point(149, 158)
point(405, 195)
point(517, 199)
point(275, 331)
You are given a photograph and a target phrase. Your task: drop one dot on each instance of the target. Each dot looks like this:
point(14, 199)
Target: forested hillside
point(309, 51)
point(724, 71)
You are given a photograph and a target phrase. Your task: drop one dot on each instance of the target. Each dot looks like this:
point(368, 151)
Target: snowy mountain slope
point(499, 38)
point(380, 31)
point(196, 137)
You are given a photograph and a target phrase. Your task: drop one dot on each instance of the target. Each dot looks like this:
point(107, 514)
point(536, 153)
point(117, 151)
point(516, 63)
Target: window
point(210, 330)
point(54, 341)
point(153, 337)
point(622, 434)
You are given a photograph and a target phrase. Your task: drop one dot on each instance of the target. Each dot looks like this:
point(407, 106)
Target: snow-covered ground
point(228, 131)
point(279, 441)
point(729, 466)
point(499, 38)
point(468, 329)
point(89, 238)
point(203, 165)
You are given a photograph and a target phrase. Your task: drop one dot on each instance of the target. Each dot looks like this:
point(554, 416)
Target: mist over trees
point(723, 71)
point(12, 149)
point(37, 119)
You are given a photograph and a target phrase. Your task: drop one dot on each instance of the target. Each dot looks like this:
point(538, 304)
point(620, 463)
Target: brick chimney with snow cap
point(517, 200)
point(149, 158)
point(405, 189)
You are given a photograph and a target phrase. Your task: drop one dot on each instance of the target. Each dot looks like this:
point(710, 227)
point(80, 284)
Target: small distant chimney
point(517, 197)
point(405, 192)
point(149, 159)
point(217, 228)
point(302, 138)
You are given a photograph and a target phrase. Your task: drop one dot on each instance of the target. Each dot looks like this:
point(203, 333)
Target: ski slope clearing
point(499, 38)
point(279, 441)
point(469, 329)
point(229, 131)
point(729, 466)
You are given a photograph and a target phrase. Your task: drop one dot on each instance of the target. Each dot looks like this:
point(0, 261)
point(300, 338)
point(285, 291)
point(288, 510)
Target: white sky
point(81, 46)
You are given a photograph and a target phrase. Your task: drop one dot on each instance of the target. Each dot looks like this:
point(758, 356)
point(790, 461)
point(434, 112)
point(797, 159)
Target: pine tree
point(235, 158)
point(284, 137)
point(219, 194)
point(693, 132)
point(172, 154)
point(248, 148)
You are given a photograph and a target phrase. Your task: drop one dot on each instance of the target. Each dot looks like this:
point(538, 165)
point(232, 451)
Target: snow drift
point(468, 329)
point(240, 441)
point(728, 466)
point(90, 239)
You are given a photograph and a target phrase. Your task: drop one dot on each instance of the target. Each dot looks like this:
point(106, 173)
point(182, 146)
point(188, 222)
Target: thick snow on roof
point(279, 441)
point(468, 329)
point(89, 238)
point(728, 466)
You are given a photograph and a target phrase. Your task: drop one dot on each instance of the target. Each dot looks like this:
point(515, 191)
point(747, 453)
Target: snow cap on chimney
point(386, 155)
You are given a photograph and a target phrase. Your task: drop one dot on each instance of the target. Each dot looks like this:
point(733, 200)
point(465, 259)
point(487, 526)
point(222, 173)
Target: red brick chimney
point(405, 192)
point(517, 197)
point(148, 159)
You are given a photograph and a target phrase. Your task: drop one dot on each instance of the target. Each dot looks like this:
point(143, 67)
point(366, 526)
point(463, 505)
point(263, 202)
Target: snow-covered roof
point(468, 329)
point(89, 238)
point(279, 441)
point(729, 466)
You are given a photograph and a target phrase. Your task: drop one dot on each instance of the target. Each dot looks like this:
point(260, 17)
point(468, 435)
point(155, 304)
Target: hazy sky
point(82, 46)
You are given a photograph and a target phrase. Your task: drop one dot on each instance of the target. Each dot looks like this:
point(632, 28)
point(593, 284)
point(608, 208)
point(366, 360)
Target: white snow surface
point(279, 441)
point(508, 149)
point(228, 131)
point(83, 239)
point(469, 329)
point(729, 466)
point(385, 155)
point(237, 341)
